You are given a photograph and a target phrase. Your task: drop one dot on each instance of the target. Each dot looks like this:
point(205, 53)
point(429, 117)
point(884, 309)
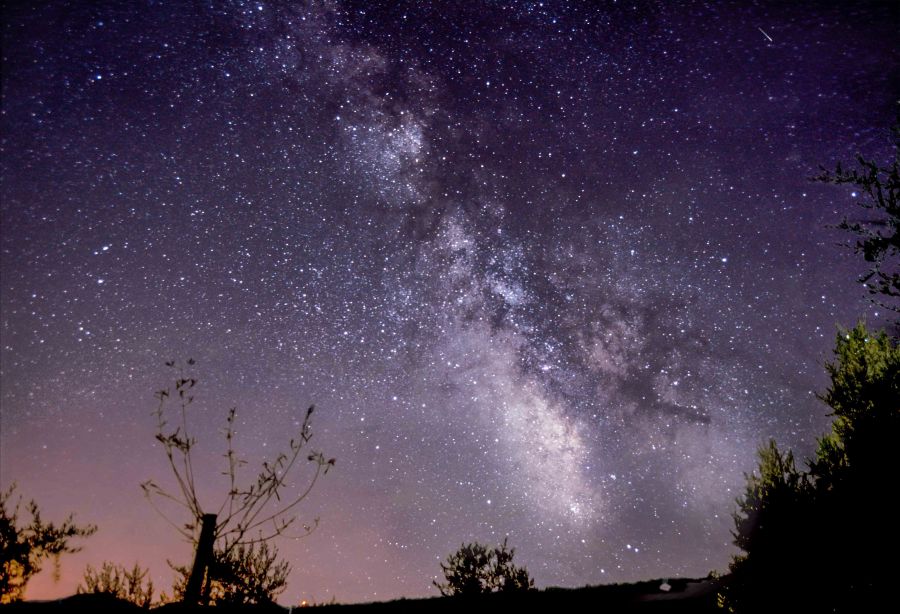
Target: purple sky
point(547, 270)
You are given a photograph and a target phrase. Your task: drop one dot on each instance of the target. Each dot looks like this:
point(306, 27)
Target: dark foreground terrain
point(688, 596)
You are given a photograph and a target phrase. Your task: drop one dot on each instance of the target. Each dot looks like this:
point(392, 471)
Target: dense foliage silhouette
point(821, 539)
point(476, 569)
point(25, 547)
point(247, 574)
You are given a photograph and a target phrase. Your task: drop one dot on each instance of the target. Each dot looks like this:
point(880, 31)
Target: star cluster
point(548, 270)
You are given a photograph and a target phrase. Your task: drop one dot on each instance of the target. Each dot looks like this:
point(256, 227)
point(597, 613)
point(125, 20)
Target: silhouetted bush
point(132, 585)
point(475, 569)
point(250, 574)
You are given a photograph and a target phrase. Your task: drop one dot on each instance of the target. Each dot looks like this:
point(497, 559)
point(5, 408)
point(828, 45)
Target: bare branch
point(260, 509)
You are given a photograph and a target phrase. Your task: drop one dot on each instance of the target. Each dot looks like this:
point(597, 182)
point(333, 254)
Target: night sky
point(548, 270)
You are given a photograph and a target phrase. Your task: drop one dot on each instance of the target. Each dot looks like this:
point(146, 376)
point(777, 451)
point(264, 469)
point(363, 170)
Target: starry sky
point(548, 270)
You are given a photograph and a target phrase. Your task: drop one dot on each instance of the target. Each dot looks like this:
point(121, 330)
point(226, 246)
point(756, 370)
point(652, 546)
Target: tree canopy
point(25, 547)
point(811, 539)
point(878, 232)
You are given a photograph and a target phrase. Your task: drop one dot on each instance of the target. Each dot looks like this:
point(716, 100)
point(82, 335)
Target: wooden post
point(202, 558)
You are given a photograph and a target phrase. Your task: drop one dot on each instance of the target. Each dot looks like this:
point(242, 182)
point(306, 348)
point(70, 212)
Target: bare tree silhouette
point(247, 515)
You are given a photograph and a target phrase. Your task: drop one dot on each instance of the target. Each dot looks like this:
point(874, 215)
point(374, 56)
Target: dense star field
point(548, 270)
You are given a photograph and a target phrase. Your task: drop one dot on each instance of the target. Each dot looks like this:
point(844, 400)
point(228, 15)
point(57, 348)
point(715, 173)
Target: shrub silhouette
point(248, 574)
point(24, 548)
point(132, 585)
point(811, 539)
point(248, 515)
point(475, 569)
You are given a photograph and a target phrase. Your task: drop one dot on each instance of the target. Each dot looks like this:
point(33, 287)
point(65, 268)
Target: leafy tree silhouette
point(812, 539)
point(248, 515)
point(132, 585)
point(878, 234)
point(24, 548)
point(476, 569)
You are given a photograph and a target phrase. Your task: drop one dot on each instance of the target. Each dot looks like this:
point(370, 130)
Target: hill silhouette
point(683, 596)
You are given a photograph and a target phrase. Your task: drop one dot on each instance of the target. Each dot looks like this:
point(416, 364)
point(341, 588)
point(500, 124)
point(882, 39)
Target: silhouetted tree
point(132, 585)
point(24, 548)
point(878, 235)
point(247, 515)
point(475, 569)
point(821, 540)
point(769, 495)
point(856, 466)
point(769, 528)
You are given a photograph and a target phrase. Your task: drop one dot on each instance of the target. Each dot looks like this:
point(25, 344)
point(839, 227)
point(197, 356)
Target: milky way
point(548, 271)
